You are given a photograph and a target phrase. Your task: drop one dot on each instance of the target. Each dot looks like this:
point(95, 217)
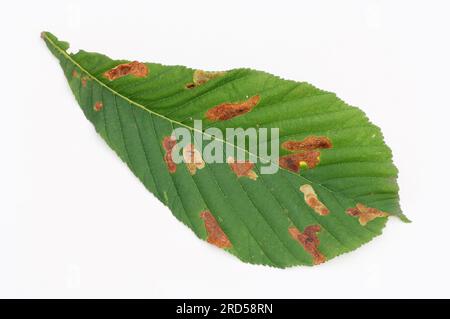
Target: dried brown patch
point(293, 162)
point(226, 111)
point(135, 68)
point(193, 159)
point(310, 242)
point(98, 106)
point(242, 168)
point(313, 201)
point(365, 214)
point(168, 144)
point(201, 77)
point(216, 236)
point(307, 144)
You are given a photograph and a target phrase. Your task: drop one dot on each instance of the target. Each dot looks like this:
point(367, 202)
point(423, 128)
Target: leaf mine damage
point(216, 236)
point(193, 159)
point(226, 111)
point(242, 169)
point(201, 77)
point(365, 214)
point(168, 144)
point(308, 156)
point(309, 143)
point(135, 68)
point(309, 240)
point(313, 201)
point(293, 162)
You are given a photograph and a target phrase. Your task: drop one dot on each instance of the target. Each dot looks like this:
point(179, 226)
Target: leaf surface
point(338, 198)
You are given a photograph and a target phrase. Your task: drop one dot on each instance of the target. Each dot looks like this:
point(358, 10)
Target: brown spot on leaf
point(293, 162)
point(168, 144)
point(75, 74)
point(313, 201)
point(242, 168)
point(226, 111)
point(98, 106)
point(135, 68)
point(193, 159)
point(307, 144)
point(84, 81)
point(365, 214)
point(309, 240)
point(216, 236)
point(201, 77)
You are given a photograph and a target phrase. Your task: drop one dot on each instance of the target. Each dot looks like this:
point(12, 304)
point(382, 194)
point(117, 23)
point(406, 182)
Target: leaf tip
point(49, 38)
point(404, 219)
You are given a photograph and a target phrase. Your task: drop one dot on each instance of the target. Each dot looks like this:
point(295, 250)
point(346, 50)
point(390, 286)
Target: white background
point(75, 222)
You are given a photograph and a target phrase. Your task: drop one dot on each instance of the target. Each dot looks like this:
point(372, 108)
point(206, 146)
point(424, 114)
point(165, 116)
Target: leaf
point(335, 187)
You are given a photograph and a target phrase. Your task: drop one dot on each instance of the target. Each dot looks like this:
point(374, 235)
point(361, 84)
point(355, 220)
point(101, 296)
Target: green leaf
point(330, 205)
